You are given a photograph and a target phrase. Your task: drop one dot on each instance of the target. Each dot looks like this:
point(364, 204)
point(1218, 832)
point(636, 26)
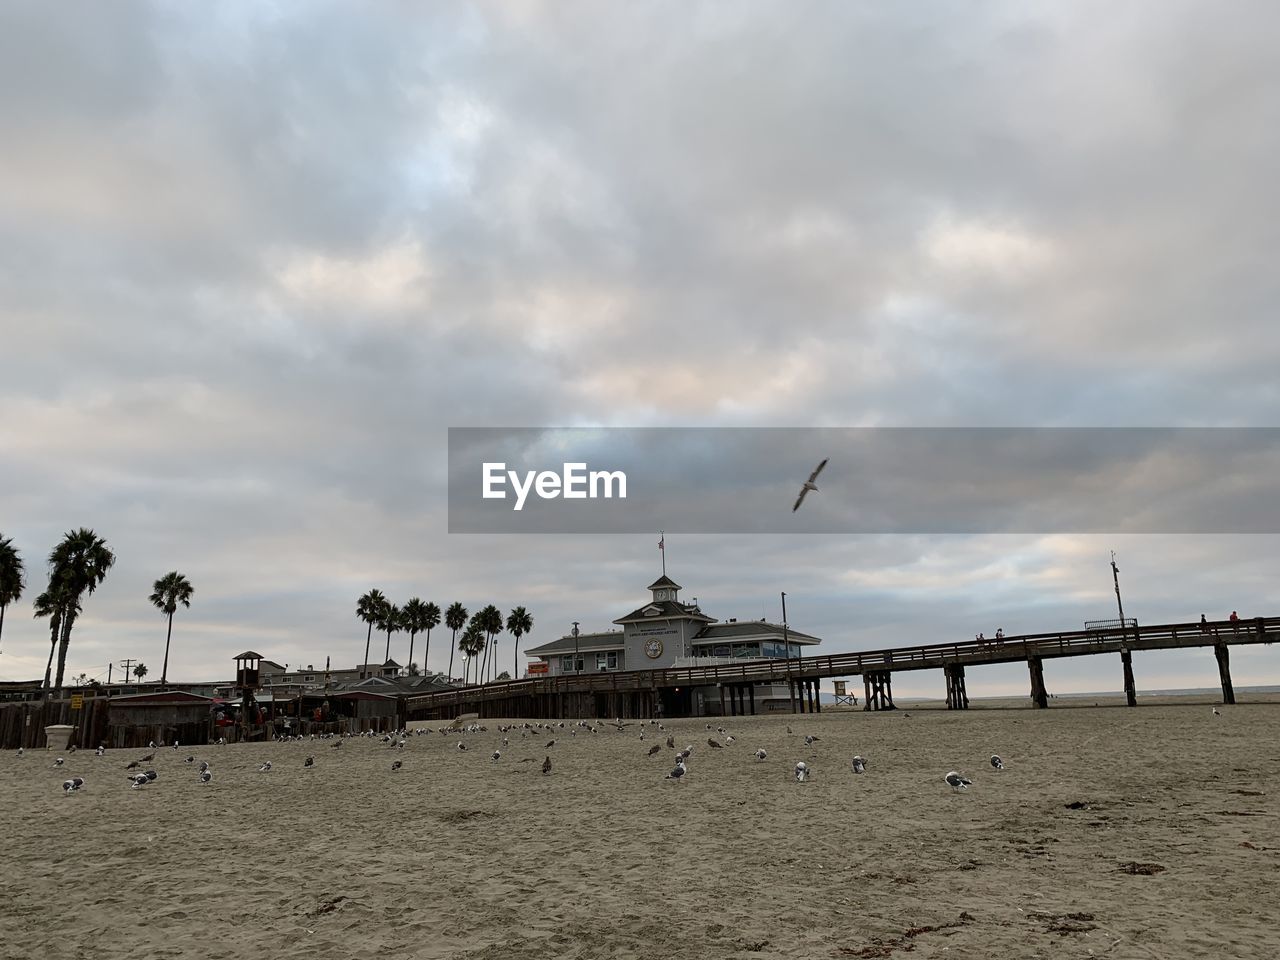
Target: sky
point(257, 259)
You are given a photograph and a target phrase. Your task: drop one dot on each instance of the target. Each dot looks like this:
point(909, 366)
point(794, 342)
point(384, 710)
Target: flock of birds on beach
point(139, 775)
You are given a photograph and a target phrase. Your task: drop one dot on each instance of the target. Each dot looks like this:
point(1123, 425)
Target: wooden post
point(1130, 688)
point(1039, 696)
point(957, 695)
point(751, 692)
point(817, 696)
point(1224, 672)
point(866, 692)
point(721, 686)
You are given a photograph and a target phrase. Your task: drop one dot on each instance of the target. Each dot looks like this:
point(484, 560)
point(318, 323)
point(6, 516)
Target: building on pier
point(667, 632)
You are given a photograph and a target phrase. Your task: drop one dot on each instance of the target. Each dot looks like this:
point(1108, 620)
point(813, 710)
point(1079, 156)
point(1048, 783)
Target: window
point(567, 664)
point(607, 661)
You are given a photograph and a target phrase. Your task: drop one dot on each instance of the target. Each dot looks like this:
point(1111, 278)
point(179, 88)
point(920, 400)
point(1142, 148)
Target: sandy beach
point(458, 856)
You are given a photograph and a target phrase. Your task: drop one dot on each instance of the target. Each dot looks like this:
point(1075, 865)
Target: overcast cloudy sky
point(255, 259)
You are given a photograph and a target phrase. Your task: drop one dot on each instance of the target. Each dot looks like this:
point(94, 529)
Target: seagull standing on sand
point(59, 762)
point(760, 754)
point(654, 749)
point(206, 776)
point(546, 766)
point(72, 785)
point(497, 755)
point(859, 765)
point(678, 772)
point(140, 780)
point(957, 782)
point(397, 764)
point(802, 772)
point(1216, 712)
point(996, 762)
point(809, 485)
point(309, 762)
point(265, 767)
point(101, 750)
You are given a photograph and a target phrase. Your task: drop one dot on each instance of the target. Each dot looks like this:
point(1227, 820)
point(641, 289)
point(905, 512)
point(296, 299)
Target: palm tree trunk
point(367, 639)
point(412, 634)
point(453, 645)
point(2, 606)
point(48, 667)
point(164, 671)
point(426, 652)
point(515, 659)
point(62, 653)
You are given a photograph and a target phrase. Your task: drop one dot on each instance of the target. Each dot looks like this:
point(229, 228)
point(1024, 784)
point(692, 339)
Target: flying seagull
point(996, 762)
point(809, 485)
point(958, 782)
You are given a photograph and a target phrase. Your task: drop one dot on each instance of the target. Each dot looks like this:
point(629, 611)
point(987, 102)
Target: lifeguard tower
point(843, 699)
point(247, 683)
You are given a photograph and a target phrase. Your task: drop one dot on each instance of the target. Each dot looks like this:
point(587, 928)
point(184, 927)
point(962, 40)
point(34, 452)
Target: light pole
point(1126, 657)
point(786, 646)
point(577, 663)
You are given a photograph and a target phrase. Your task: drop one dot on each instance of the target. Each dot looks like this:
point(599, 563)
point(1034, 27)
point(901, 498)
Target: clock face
point(653, 648)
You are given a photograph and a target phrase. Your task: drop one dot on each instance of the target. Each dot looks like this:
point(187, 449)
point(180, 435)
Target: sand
point(455, 856)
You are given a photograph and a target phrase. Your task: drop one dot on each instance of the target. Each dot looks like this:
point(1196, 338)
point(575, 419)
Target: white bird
point(497, 755)
point(204, 765)
point(957, 782)
point(760, 754)
point(802, 771)
point(59, 762)
point(1216, 712)
point(72, 785)
point(810, 740)
point(859, 765)
point(140, 780)
point(996, 762)
point(461, 745)
point(809, 485)
point(265, 767)
point(19, 751)
point(101, 750)
point(206, 776)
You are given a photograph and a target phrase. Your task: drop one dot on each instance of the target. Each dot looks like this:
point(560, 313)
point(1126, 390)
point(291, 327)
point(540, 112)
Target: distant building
point(667, 632)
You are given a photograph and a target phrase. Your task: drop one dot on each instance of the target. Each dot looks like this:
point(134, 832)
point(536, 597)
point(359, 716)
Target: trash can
point(58, 736)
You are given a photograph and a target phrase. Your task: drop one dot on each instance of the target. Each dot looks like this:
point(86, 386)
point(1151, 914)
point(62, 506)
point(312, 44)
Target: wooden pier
point(647, 693)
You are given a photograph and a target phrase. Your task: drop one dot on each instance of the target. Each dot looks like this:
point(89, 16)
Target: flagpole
point(662, 548)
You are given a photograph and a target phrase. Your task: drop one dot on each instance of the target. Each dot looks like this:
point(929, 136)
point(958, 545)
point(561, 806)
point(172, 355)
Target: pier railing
point(1012, 649)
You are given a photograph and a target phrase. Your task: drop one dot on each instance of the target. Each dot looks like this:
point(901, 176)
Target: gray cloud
point(254, 262)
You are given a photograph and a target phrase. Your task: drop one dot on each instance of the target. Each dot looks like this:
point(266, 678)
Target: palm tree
point(11, 580)
point(53, 604)
point(139, 671)
point(368, 608)
point(169, 591)
point(455, 618)
point(411, 621)
point(79, 563)
point(491, 624)
point(518, 624)
point(430, 620)
point(472, 644)
point(391, 620)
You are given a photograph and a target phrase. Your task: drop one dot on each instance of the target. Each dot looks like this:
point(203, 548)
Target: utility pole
point(786, 646)
point(577, 666)
point(1126, 655)
point(109, 666)
point(128, 665)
